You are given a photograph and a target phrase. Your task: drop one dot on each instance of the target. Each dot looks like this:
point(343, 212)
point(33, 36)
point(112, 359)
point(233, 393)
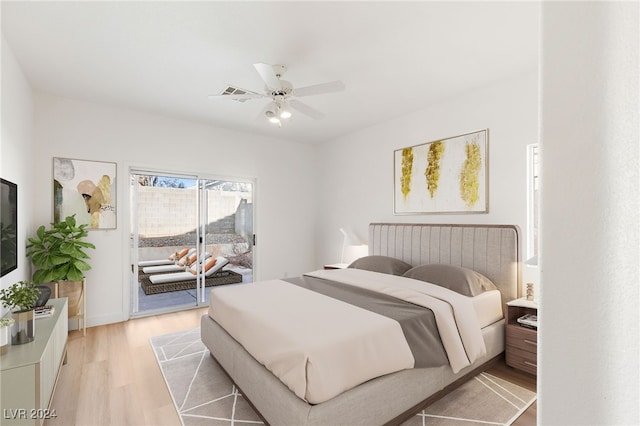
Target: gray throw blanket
point(418, 323)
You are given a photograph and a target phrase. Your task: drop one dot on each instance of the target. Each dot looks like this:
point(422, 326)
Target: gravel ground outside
point(189, 239)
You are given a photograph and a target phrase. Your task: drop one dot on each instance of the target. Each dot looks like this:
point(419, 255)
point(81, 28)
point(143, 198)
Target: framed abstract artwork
point(86, 189)
point(443, 176)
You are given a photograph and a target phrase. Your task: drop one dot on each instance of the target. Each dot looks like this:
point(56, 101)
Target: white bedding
point(339, 346)
point(334, 337)
point(488, 307)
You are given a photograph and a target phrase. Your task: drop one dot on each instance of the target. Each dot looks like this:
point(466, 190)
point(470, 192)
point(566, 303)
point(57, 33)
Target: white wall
point(589, 316)
point(16, 153)
point(285, 206)
point(356, 171)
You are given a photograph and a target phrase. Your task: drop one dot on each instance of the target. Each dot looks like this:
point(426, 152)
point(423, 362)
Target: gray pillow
point(462, 280)
point(384, 264)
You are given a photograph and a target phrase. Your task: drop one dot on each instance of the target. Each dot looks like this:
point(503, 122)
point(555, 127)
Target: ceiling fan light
point(272, 116)
point(285, 113)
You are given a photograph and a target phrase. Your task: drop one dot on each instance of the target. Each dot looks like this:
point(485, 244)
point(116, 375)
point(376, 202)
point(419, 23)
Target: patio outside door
point(171, 213)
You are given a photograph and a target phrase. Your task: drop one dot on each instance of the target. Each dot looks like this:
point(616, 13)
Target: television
point(8, 226)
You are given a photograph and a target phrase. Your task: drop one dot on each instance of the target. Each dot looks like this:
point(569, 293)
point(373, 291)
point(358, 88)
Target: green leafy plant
point(59, 252)
point(21, 295)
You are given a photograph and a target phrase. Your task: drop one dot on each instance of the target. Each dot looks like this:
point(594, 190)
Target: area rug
point(203, 394)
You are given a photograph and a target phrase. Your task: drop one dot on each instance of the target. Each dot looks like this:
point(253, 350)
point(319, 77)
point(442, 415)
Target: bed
point(397, 390)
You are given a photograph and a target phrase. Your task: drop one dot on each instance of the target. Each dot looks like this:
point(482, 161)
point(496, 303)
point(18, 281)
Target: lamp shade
point(350, 239)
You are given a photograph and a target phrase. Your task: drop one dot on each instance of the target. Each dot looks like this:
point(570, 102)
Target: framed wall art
point(444, 176)
point(86, 189)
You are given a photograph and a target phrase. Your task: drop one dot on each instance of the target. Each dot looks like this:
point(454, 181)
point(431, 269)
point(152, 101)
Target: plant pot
point(24, 328)
point(72, 290)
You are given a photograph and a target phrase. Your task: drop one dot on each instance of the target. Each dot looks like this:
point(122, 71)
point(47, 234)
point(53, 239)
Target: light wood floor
point(112, 377)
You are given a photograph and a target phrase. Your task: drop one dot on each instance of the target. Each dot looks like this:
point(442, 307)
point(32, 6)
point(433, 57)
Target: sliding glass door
point(179, 224)
point(226, 231)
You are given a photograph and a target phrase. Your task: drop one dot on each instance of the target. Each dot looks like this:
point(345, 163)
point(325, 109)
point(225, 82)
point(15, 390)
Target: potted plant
point(21, 298)
point(59, 256)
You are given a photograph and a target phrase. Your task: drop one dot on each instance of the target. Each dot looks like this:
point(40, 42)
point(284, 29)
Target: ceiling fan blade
point(305, 109)
point(268, 75)
point(318, 89)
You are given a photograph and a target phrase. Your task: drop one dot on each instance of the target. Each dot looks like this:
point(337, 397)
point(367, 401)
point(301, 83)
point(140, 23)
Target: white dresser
point(28, 372)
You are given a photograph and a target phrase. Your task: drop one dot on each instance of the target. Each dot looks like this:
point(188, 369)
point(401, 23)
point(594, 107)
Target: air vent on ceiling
point(230, 90)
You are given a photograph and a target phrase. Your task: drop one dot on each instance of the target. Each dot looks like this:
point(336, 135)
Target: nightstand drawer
point(522, 360)
point(522, 338)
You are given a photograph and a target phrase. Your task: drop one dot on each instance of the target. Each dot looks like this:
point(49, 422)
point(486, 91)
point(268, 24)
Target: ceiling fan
point(282, 94)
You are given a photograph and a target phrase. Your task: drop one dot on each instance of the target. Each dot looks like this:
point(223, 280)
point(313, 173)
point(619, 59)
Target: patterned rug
point(203, 394)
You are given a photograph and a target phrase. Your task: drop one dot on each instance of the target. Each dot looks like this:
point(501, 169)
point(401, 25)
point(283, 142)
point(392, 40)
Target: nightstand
point(521, 349)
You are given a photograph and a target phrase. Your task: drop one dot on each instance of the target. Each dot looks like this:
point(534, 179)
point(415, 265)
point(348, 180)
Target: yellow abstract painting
point(443, 176)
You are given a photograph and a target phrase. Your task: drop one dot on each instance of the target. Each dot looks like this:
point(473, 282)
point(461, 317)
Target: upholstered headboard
point(492, 250)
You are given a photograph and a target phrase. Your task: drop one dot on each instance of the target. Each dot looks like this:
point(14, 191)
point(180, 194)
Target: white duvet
point(320, 347)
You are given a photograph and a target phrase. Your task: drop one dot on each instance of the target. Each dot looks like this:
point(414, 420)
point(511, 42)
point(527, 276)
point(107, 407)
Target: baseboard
point(100, 320)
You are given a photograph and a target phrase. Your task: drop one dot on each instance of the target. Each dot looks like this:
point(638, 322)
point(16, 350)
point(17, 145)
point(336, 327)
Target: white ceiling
point(166, 57)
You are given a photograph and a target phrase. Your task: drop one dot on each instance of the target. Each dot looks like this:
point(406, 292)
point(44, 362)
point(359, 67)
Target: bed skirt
point(219, 278)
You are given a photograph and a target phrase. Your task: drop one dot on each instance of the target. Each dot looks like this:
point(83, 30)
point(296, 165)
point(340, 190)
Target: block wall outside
point(244, 220)
point(173, 211)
